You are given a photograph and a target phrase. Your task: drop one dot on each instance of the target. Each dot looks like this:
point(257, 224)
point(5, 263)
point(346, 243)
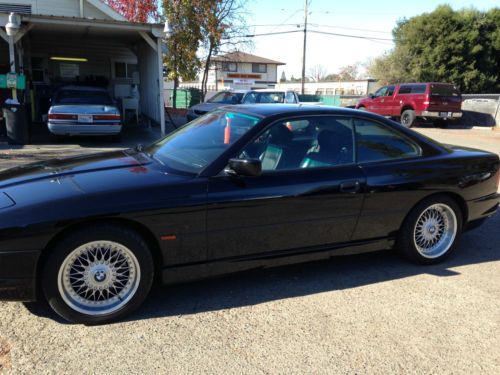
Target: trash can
point(16, 124)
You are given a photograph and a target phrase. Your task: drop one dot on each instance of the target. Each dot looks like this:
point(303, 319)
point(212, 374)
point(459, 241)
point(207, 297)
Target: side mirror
point(371, 96)
point(245, 167)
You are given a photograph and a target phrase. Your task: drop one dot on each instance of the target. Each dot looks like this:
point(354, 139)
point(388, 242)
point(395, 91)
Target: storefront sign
point(244, 81)
point(245, 76)
point(69, 70)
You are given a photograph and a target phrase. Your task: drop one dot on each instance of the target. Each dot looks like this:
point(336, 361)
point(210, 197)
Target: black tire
point(408, 118)
point(50, 277)
point(406, 240)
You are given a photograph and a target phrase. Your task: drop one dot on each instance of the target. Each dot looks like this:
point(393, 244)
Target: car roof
point(422, 83)
point(266, 110)
point(232, 91)
point(82, 88)
point(268, 90)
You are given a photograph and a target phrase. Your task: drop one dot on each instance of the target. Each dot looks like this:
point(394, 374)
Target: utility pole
point(304, 50)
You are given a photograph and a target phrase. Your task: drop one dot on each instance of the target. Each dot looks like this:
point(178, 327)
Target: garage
point(86, 43)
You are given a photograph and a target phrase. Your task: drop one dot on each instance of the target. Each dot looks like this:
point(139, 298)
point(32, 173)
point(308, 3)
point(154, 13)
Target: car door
point(387, 102)
point(306, 197)
point(388, 160)
point(375, 105)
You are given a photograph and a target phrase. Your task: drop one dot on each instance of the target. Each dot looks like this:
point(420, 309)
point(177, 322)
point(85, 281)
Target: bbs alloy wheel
point(435, 231)
point(98, 274)
point(431, 230)
point(99, 277)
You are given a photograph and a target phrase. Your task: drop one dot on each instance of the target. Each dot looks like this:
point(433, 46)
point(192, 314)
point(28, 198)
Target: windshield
point(264, 97)
point(196, 145)
point(444, 90)
point(226, 98)
point(83, 97)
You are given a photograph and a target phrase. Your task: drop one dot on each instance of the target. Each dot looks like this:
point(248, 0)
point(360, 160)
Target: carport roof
point(155, 29)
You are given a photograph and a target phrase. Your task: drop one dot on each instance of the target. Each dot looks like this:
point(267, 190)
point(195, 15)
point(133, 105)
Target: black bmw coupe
point(239, 188)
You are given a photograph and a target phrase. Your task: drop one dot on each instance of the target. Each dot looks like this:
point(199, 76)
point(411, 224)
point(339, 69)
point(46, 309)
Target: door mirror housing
point(245, 167)
point(371, 95)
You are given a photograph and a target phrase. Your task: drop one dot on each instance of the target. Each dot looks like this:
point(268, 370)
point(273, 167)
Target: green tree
point(462, 47)
point(182, 61)
point(283, 77)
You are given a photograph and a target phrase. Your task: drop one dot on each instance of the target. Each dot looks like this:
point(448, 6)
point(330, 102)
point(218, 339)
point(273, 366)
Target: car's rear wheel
point(408, 118)
point(431, 231)
point(98, 275)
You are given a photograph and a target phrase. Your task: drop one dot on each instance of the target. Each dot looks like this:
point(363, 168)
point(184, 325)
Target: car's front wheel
point(430, 232)
point(98, 275)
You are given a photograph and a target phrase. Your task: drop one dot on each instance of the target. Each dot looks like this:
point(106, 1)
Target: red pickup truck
point(436, 102)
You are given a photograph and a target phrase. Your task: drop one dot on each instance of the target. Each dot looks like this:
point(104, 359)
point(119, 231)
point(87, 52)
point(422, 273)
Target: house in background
point(84, 42)
point(345, 88)
point(240, 71)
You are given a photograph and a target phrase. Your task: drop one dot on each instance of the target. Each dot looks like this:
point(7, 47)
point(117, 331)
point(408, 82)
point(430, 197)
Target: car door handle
point(351, 187)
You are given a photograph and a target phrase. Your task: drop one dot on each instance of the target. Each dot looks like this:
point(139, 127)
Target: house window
point(125, 70)
point(229, 67)
point(259, 68)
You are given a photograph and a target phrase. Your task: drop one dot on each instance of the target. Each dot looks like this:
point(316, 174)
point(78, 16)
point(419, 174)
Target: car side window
point(309, 142)
point(390, 91)
point(404, 89)
point(381, 92)
point(290, 97)
point(376, 142)
point(250, 98)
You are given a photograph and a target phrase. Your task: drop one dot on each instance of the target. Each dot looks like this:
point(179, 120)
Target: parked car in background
point(220, 99)
point(83, 110)
point(436, 102)
point(240, 188)
point(270, 96)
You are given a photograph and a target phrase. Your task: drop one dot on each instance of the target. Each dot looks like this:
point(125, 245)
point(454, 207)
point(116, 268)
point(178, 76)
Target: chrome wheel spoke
point(435, 230)
point(99, 277)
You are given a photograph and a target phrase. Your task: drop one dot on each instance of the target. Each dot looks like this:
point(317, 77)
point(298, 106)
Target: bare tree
point(224, 29)
point(317, 73)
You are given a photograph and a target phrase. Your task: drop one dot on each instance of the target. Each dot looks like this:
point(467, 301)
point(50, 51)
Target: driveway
point(366, 314)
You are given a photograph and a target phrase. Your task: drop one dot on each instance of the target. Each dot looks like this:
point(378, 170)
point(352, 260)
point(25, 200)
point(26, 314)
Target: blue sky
point(373, 18)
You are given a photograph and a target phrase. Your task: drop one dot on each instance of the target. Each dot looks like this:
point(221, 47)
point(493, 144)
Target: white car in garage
point(83, 110)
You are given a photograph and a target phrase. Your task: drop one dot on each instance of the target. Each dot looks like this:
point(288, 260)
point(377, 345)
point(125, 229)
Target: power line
point(276, 24)
point(370, 38)
point(351, 36)
point(287, 19)
point(350, 28)
point(320, 25)
point(276, 33)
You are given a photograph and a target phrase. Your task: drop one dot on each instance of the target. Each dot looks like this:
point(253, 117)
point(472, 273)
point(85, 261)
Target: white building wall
point(246, 68)
point(150, 82)
point(361, 87)
point(65, 8)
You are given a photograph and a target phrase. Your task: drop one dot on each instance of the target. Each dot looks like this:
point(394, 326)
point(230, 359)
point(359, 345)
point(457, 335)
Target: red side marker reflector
point(168, 238)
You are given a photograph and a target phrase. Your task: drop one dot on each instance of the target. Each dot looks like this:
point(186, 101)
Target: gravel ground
point(367, 314)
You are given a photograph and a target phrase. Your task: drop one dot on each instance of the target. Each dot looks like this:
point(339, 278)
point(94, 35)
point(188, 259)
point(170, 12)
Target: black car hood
point(93, 185)
point(63, 167)
point(89, 175)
